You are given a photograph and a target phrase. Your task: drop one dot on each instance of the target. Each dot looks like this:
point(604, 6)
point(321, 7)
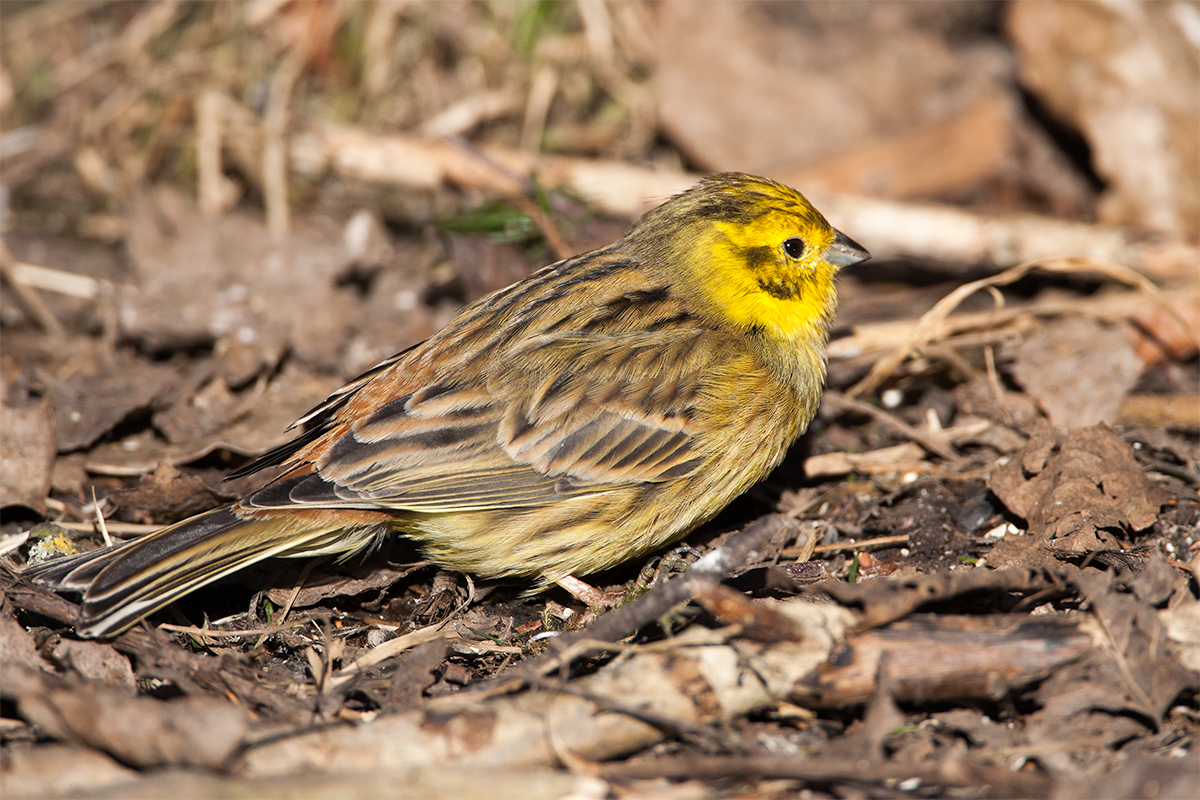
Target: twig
point(37, 599)
point(192, 630)
point(930, 324)
point(880, 541)
point(934, 444)
point(888, 227)
point(98, 520)
point(826, 770)
point(554, 238)
point(461, 117)
point(56, 280)
point(119, 528)
point(747, 546)
point(974, 328)
point(29, 300)
point(148, 24)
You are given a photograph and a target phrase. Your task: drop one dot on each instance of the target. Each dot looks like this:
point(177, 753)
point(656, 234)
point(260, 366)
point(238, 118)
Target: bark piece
point(932, 658)
point(142, 731)
point(623, 708)
point(60, 770)
point(415, 784)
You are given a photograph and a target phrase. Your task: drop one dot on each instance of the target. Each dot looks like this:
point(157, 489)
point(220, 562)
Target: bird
point(595, 411)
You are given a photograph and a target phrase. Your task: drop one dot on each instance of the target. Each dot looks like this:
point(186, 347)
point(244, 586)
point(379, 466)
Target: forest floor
point(974, 576)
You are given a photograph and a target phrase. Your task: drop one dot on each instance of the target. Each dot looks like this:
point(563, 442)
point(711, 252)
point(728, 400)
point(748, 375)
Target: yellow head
point(757, 254)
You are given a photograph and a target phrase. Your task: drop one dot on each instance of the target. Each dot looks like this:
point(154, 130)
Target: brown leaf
point(1125, 75)
point(17, 648)
point(28, 444)
point(110, 389)
point(1078, 370)
point(1076, 490)
point(322, 586)
point(95, 661)
point(204, 280)
point(736, 82)
point(168, 495)
point(262, 425)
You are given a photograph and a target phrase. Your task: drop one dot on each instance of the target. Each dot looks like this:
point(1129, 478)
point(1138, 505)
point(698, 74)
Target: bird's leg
point(596, 600)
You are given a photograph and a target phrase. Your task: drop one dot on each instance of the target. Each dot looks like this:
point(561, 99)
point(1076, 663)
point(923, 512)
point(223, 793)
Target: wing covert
point(568, 416)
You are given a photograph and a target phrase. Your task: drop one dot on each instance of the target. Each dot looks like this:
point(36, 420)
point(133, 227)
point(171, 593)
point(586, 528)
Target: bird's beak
point(845, 252)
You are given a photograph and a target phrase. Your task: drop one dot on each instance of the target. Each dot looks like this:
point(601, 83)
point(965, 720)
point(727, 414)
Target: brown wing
point(566, 416)
point(579, 379)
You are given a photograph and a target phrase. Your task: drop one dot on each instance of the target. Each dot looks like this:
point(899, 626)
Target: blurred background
point(1082, 110)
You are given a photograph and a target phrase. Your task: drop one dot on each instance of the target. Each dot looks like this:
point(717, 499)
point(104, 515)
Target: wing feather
point(522, 401)
point(613, 411)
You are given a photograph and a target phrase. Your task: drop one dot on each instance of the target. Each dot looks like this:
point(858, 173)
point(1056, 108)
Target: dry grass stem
point(881, 541)
point(275, 173)
point(537, 106)
point(27, 298)
point(119, 528)
point(308, 568)
point(931, 441)
point(98, 520)
point(930, 326)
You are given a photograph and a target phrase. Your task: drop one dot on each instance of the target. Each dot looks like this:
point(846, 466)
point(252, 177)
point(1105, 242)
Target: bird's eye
point(794, 247)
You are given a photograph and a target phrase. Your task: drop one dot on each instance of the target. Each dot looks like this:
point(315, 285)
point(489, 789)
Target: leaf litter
point(975, 576)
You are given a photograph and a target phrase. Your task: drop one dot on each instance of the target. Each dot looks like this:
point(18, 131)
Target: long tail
point(125, 583)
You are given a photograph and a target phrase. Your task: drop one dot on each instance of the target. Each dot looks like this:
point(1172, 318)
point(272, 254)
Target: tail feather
point(122, 584)
point(71, 573)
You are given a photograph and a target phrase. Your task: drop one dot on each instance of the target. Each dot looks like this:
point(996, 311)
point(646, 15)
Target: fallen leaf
point(1078, 490)
point(28, 444)
point(1078, 370)
point(168, 495)
point(1125, 75)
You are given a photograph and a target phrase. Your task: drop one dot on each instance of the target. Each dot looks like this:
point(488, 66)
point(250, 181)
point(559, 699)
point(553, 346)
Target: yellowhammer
point(598, 409)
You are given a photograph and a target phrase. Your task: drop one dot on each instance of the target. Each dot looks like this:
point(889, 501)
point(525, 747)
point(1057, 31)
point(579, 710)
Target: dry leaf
point(28, 445)
point(1126, 75)
point(1078, 490)
point(1078, 370)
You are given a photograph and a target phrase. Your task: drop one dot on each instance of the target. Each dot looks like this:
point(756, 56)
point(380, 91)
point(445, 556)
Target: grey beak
point(845, 252)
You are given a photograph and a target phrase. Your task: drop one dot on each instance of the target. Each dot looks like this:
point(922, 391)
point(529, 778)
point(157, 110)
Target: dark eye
point(794, 247)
